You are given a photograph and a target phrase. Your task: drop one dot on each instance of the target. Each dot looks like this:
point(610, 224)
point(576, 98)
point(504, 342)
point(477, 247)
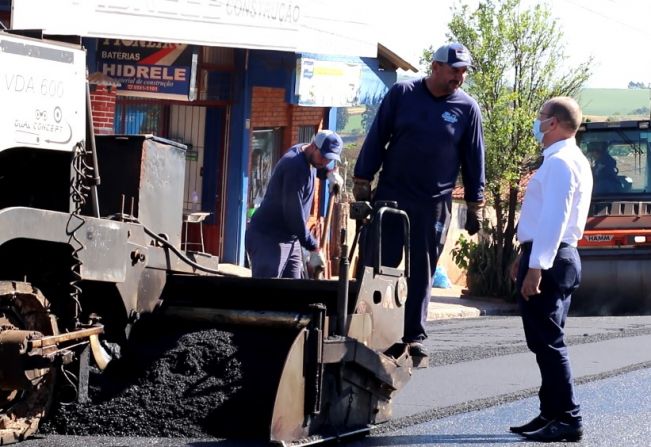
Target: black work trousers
point(543, 317)
point(429, 223)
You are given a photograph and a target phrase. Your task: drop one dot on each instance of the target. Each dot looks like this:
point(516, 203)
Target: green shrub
point(487, 269)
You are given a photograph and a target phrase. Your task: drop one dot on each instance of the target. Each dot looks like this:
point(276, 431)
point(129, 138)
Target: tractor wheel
point(23, 307)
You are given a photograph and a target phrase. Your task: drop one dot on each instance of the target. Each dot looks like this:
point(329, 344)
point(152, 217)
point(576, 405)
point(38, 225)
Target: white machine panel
point(42, 93)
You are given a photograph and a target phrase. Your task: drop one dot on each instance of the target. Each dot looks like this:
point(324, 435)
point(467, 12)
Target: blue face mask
point(537, 133)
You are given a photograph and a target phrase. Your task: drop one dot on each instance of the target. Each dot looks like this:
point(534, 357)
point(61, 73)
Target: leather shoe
point(557, 431)
point(533, 425)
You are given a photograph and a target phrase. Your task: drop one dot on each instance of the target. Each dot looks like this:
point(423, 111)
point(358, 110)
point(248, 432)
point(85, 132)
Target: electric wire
point(177, 252)
point(164, 242)
point(612, 19)
point(79, 192)
point(71, 381)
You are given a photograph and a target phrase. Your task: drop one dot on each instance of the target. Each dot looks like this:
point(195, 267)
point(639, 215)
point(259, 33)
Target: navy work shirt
point(286, 205)
point(420, 141)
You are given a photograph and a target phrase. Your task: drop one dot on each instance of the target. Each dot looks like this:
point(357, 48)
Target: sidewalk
point(444, 304)
point(451, 303)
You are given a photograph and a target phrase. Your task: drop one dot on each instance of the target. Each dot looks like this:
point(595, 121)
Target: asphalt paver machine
point(84, 257)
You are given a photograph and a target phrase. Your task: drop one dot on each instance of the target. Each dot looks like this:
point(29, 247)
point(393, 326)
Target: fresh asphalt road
point(616, 412)
point(482, 379)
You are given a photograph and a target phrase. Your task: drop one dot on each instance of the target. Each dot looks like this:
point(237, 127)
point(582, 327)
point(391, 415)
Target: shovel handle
point(328, 218)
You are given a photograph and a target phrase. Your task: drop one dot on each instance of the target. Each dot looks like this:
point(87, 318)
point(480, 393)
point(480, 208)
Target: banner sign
point(149, 69)
point(323, 83)
point(326, 81)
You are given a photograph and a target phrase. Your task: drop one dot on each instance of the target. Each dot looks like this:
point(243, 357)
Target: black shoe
point(535, 424)
point(417, 349)
point(557, 431)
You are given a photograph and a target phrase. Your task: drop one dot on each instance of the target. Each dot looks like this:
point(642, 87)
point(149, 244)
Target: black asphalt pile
point(185, 382)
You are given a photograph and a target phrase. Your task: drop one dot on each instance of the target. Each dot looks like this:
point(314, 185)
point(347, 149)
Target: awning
point(332, 27)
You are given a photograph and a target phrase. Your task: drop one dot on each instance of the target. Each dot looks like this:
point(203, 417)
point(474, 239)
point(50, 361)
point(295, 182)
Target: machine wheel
point(23, 307)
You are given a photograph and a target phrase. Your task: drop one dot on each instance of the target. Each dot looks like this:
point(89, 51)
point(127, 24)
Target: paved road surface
point(482, 379)
point(616, 413)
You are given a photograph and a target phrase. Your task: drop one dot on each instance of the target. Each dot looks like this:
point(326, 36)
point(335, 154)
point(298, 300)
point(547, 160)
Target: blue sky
point(616, 32)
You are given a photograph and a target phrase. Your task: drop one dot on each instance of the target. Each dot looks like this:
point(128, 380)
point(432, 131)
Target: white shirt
point(556, 203)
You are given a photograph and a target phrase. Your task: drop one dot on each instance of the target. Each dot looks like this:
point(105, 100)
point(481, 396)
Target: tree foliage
point(638, 85)
point(368, 116)
point(342, 118)
point(520, 62)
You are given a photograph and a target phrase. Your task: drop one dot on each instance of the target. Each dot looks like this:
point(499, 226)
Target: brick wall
point(269, 109)
point(103, 106)
point(305, 116)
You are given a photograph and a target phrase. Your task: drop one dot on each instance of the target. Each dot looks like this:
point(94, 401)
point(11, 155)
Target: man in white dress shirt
point(548, 269)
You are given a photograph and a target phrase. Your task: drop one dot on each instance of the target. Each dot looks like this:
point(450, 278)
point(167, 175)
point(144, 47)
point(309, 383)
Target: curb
point(443, 311)
point(450, 303)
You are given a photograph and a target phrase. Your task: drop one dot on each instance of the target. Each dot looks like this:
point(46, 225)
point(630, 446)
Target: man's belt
point(526, 246)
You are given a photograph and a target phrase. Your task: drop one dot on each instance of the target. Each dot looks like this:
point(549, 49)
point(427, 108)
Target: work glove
point(336, 182)
point(316, 260)
point(362, 190)
point(474, 216)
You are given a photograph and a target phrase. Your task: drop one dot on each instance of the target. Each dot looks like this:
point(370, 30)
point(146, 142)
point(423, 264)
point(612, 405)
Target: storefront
point(237, 85)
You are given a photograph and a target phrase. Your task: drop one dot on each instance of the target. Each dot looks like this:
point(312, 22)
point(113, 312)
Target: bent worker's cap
point(329, 144)
point(453, 54)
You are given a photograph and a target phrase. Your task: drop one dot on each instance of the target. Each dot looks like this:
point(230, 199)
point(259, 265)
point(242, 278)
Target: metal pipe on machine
point(342, 291)
point(262, 318)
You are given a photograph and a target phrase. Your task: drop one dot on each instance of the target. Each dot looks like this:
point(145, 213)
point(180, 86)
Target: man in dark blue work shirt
point(278, 229)
point(424, 131)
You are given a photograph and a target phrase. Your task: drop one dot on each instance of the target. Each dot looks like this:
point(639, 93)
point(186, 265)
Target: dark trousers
point(543, 317)
point(271, 258)
point(429, 224)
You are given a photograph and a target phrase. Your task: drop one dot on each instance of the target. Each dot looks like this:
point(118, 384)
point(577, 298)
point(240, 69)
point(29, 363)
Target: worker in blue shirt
point(278, 228)
point(424, 131)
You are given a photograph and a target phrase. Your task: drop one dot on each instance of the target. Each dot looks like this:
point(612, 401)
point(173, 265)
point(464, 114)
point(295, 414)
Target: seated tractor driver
point(604, 169)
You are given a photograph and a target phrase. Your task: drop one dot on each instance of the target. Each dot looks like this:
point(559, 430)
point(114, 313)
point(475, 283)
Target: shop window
point(305, 133)
point(216, 74)
point(216, 86)
point(134, 118)
point(265, 149)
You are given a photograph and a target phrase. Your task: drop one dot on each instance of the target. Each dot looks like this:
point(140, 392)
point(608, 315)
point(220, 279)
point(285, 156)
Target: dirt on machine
point(616, 247)
point(91, 260)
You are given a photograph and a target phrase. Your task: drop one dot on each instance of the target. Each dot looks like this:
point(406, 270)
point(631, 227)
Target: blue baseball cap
point(329, 144)
point(453, 54)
